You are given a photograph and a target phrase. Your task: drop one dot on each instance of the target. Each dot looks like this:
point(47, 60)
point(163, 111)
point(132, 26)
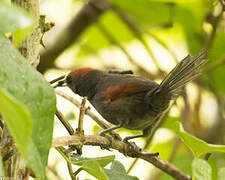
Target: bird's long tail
point(185, 71)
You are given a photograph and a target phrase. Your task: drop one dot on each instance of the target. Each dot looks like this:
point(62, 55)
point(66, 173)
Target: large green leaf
point(21, 130)
point(117, 171)
point(196, 145)
point(29, 87)
point(15, 19)
point(201, 169)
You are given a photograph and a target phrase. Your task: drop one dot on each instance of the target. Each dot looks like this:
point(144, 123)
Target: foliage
point(167, 24)
point(27, 100)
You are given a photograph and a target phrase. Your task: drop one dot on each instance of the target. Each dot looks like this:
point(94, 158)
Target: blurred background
point(148, 37)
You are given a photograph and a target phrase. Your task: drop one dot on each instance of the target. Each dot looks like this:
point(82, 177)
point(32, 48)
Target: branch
point(123, 148)
point(99, 120)
point(80, 129)
point(65, 123)
point(85, 17)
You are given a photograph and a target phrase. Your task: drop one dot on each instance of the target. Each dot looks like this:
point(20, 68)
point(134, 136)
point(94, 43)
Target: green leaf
point(10, 109)
point(221, 174)
point(196, 145)
point(95, 169)
point(29, 87)
point(216, 161)
point(103, 161)
point(201, 169)
point(118, 166)
point(117, 171)
point(15, 19)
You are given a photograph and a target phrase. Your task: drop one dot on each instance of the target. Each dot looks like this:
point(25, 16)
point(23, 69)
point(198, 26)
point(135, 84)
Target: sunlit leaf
point(201, 169)
point(196, 145)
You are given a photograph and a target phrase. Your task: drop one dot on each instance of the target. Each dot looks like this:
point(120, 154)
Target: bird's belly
point(141, 123)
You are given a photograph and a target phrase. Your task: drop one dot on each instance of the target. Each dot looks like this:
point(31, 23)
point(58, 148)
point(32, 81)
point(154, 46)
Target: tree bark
point(14, 165)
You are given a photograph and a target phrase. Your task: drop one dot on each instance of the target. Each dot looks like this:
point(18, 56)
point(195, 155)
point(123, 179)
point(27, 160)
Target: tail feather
point(186, 70)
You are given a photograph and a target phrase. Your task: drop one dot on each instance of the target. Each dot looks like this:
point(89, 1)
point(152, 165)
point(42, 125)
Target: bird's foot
point(135, 151)
point(103, 147)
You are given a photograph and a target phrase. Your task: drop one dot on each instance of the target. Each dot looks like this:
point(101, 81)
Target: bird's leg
point(145, 133)
point(132, 137)
point(102, 133)
point(133, 144)
point(120, 72)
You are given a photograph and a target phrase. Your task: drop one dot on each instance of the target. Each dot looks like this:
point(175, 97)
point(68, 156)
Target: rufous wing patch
point(116, 91)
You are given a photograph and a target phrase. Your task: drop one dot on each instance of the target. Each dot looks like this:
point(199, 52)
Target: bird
point(129, 101)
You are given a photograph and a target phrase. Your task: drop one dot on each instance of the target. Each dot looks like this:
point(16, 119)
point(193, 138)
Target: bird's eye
point(68, 79)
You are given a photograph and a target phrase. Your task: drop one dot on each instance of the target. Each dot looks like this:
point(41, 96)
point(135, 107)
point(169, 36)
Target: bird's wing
point(117, 91)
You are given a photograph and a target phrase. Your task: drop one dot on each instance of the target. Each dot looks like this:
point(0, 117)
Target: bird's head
point(83, 81)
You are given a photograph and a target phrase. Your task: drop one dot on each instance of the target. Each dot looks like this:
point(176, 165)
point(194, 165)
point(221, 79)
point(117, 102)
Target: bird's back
point(123, 98)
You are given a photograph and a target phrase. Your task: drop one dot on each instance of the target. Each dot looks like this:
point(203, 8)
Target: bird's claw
point(132, 146)
point(103, 147)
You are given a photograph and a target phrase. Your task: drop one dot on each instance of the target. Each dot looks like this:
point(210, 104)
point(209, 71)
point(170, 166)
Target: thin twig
point(123, 148)
point(99, 120)
point(80, 129)
point(65, 123)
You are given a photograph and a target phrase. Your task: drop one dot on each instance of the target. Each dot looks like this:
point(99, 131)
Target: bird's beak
point(61, 83)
